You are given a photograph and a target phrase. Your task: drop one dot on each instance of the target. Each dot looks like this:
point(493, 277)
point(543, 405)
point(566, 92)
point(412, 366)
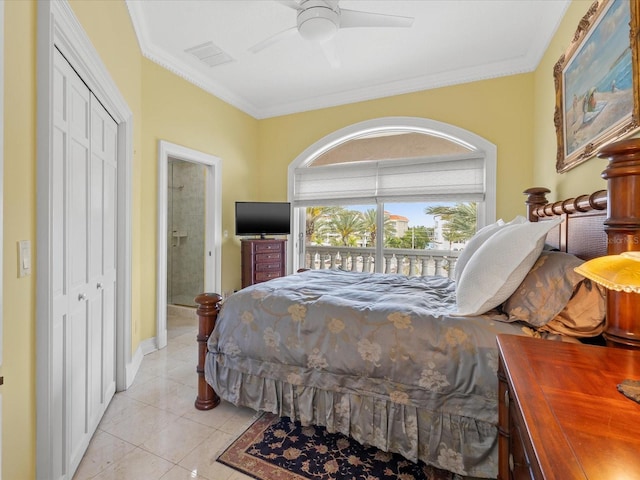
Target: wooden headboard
point(605, 222)
point(582, 231)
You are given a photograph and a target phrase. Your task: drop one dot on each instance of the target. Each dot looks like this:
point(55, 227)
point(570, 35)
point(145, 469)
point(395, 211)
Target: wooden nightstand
point(560, 413)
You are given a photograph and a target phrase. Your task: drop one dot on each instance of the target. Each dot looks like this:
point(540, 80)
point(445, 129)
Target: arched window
point(383, 168)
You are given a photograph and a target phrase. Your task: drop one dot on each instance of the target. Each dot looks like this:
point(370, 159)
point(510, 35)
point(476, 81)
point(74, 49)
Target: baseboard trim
point(145, 347)
point(133, 367)
point(149, 345)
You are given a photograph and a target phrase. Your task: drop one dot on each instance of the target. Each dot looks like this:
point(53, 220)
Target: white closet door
point(83, 265)
point(102, 261)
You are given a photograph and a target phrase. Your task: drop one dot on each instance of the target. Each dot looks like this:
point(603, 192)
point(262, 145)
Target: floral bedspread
point(374, 356)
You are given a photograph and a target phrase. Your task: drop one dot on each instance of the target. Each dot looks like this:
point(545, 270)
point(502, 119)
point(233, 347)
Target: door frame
point(212, 231)
point(2, 42)
point(58, 27)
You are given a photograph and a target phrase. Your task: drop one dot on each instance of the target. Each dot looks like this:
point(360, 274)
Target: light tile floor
point(152, 430)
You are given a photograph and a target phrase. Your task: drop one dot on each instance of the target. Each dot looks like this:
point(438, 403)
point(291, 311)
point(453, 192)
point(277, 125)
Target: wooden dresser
point(262, 260)
point(560, 414)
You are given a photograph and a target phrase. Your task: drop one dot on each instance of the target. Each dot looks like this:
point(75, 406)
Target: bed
point(408, 364)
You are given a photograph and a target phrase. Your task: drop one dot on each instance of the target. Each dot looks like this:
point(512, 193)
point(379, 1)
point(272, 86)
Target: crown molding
point(187, 72)
point(524, 64)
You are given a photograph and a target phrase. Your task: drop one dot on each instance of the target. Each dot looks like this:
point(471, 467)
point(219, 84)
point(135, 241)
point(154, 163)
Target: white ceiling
point(450, 42)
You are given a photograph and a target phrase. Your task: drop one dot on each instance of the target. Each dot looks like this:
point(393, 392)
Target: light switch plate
point(24, 258)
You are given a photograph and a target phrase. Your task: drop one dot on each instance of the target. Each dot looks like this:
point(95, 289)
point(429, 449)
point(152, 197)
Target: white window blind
point(453, 178)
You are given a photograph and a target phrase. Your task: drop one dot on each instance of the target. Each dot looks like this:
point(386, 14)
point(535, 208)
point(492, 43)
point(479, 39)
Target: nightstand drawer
point(264, 276)
point(268, 247)
point(266, 257)
point(267, 267)
point(519, 464)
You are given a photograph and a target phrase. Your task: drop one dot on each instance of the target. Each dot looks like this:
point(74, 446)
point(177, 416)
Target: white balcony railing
point(396, 260)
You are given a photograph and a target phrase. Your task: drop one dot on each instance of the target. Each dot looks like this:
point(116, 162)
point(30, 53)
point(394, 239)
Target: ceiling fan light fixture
point(318, 23)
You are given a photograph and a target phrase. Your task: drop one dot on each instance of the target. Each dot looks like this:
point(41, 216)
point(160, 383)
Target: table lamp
point(622, 274)
point(614, 272)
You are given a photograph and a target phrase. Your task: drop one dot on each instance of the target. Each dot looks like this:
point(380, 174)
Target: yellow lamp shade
point(615, 272)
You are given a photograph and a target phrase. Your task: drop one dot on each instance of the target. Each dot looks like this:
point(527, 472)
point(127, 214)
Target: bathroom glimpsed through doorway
point(185, 232)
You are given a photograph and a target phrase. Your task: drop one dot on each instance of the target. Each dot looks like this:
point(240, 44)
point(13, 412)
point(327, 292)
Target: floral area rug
point(275, 448)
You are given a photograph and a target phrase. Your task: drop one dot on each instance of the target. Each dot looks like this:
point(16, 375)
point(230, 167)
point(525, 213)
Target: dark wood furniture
point(607, 221)
point(560, 413)
point(208, 308)
point(262, 260)
point(623, 233)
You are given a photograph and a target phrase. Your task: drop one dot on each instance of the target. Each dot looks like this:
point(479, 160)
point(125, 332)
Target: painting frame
point(579, 135)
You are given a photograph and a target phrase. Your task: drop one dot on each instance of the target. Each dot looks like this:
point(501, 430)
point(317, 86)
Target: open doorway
point(189, 229)
point(186, 256)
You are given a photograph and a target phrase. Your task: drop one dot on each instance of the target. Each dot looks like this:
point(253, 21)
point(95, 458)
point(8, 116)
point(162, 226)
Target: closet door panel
point(77, 357)
point(77, 219)
point(78, 347)
point(60, 318)
point(58, 167)
point(102, 250)
point(95, 395)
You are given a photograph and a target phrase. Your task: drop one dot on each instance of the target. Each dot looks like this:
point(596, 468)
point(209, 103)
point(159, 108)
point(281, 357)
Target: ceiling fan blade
point(355, 18)
point(289, 32)
point(290, 3)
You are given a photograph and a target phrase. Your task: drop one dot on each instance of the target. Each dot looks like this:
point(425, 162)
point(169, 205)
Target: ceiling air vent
point(209, 54)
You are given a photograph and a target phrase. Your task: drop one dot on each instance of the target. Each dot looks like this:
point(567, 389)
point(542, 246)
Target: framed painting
point(596, 81)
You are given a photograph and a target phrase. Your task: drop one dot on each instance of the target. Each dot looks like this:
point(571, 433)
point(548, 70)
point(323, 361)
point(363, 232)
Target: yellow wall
point(19, 223)
point(195, 119)
point(515, 113)
point(500, 110)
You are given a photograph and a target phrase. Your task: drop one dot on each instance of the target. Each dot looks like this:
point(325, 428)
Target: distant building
point(399, 222)
point(439, 243)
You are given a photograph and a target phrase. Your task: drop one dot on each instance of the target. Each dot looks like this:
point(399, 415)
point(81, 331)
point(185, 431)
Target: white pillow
point(499, 265)
point(473, 244)
point(477, 240)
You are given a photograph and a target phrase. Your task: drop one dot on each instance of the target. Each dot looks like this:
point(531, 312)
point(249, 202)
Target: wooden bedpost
point(622, 327)
point(208, 308)
point(536, 197)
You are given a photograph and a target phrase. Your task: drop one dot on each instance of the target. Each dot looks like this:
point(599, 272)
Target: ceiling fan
point(319, 20)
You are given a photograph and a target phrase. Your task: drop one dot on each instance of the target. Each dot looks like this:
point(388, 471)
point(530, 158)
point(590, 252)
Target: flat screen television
point(263, 218)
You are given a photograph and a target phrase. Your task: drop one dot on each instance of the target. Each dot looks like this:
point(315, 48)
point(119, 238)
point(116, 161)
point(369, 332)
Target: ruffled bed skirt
point(462, 445)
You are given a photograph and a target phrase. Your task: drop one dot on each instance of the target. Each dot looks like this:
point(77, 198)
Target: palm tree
point(460, 220)
point(315, 215)
point(370, 225)
point(346, 223)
